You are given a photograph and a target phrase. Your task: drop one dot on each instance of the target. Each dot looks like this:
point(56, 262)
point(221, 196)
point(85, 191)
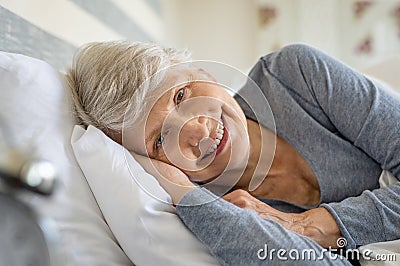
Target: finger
point(239, 200)
point(235, 194)
point(241, 203)
point(244, 203)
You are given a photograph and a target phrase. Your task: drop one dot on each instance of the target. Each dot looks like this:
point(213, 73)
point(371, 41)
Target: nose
point(193, 131)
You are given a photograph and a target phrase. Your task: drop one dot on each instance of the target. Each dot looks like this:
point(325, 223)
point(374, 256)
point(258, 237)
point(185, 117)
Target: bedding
point(35, 109)
point(134, 205)
point(88, 211)
point(103, 206)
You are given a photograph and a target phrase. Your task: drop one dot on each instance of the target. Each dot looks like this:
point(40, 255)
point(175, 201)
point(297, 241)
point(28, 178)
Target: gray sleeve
point(364, 114)
point(237, 236)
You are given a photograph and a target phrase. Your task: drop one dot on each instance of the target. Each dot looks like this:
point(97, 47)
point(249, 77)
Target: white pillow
point(36, 111)
point(147, 229)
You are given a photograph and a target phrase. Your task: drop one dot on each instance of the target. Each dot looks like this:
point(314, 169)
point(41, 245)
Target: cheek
point(133, 139)
point(239, 112)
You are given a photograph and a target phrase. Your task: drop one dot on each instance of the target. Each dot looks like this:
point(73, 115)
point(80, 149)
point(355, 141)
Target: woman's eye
point(159, 142)
point(179, 96)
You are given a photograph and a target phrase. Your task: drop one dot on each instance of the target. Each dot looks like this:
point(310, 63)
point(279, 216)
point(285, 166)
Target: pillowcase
point(148, 229)
point(35, 109)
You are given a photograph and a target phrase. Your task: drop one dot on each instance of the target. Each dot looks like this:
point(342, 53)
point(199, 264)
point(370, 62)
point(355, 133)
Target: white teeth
point(220, 134)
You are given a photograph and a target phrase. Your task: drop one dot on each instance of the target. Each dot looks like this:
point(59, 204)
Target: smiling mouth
point(219, 141)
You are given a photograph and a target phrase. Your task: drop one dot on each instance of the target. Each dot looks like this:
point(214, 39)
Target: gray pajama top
point(348, 130)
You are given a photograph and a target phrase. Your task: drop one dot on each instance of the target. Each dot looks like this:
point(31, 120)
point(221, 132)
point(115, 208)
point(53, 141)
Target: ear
point(114, 135)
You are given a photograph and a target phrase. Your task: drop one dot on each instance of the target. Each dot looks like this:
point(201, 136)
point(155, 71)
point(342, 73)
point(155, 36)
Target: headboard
point(54, 32)
point(35, 109)
point(18, 35)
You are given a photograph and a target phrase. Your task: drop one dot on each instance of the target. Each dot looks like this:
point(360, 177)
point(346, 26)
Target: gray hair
point(107, 78)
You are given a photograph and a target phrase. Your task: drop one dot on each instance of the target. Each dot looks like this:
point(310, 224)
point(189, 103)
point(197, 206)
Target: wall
point(359, 32)
point(235, 32)
point(220, 30)
point(81, 21)
point(52, 29)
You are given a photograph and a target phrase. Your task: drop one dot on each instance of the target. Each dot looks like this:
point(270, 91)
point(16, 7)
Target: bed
point(102, 215)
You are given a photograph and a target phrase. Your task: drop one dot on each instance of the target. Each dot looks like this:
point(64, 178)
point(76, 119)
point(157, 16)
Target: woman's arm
point(317, 224)
point(364, 114)
point(235, 236)
point(241, 237)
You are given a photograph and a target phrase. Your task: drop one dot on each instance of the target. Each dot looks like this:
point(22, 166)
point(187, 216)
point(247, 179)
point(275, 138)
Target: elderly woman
point(317, 168)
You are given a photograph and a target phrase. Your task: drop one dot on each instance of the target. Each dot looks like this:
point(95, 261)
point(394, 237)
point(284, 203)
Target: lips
point(219, 140)
point(223, 141)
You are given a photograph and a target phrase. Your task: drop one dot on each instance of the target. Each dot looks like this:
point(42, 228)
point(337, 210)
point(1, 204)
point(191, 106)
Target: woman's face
point(196, 126)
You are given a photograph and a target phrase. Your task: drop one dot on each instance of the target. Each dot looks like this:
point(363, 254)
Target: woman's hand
point(317, 224)
point(173, 180)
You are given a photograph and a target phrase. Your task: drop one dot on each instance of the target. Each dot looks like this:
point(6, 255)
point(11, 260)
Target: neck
point(282, 172)
point(262, 149)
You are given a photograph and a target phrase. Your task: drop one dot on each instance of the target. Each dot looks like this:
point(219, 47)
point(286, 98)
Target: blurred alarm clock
point(24, 238)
